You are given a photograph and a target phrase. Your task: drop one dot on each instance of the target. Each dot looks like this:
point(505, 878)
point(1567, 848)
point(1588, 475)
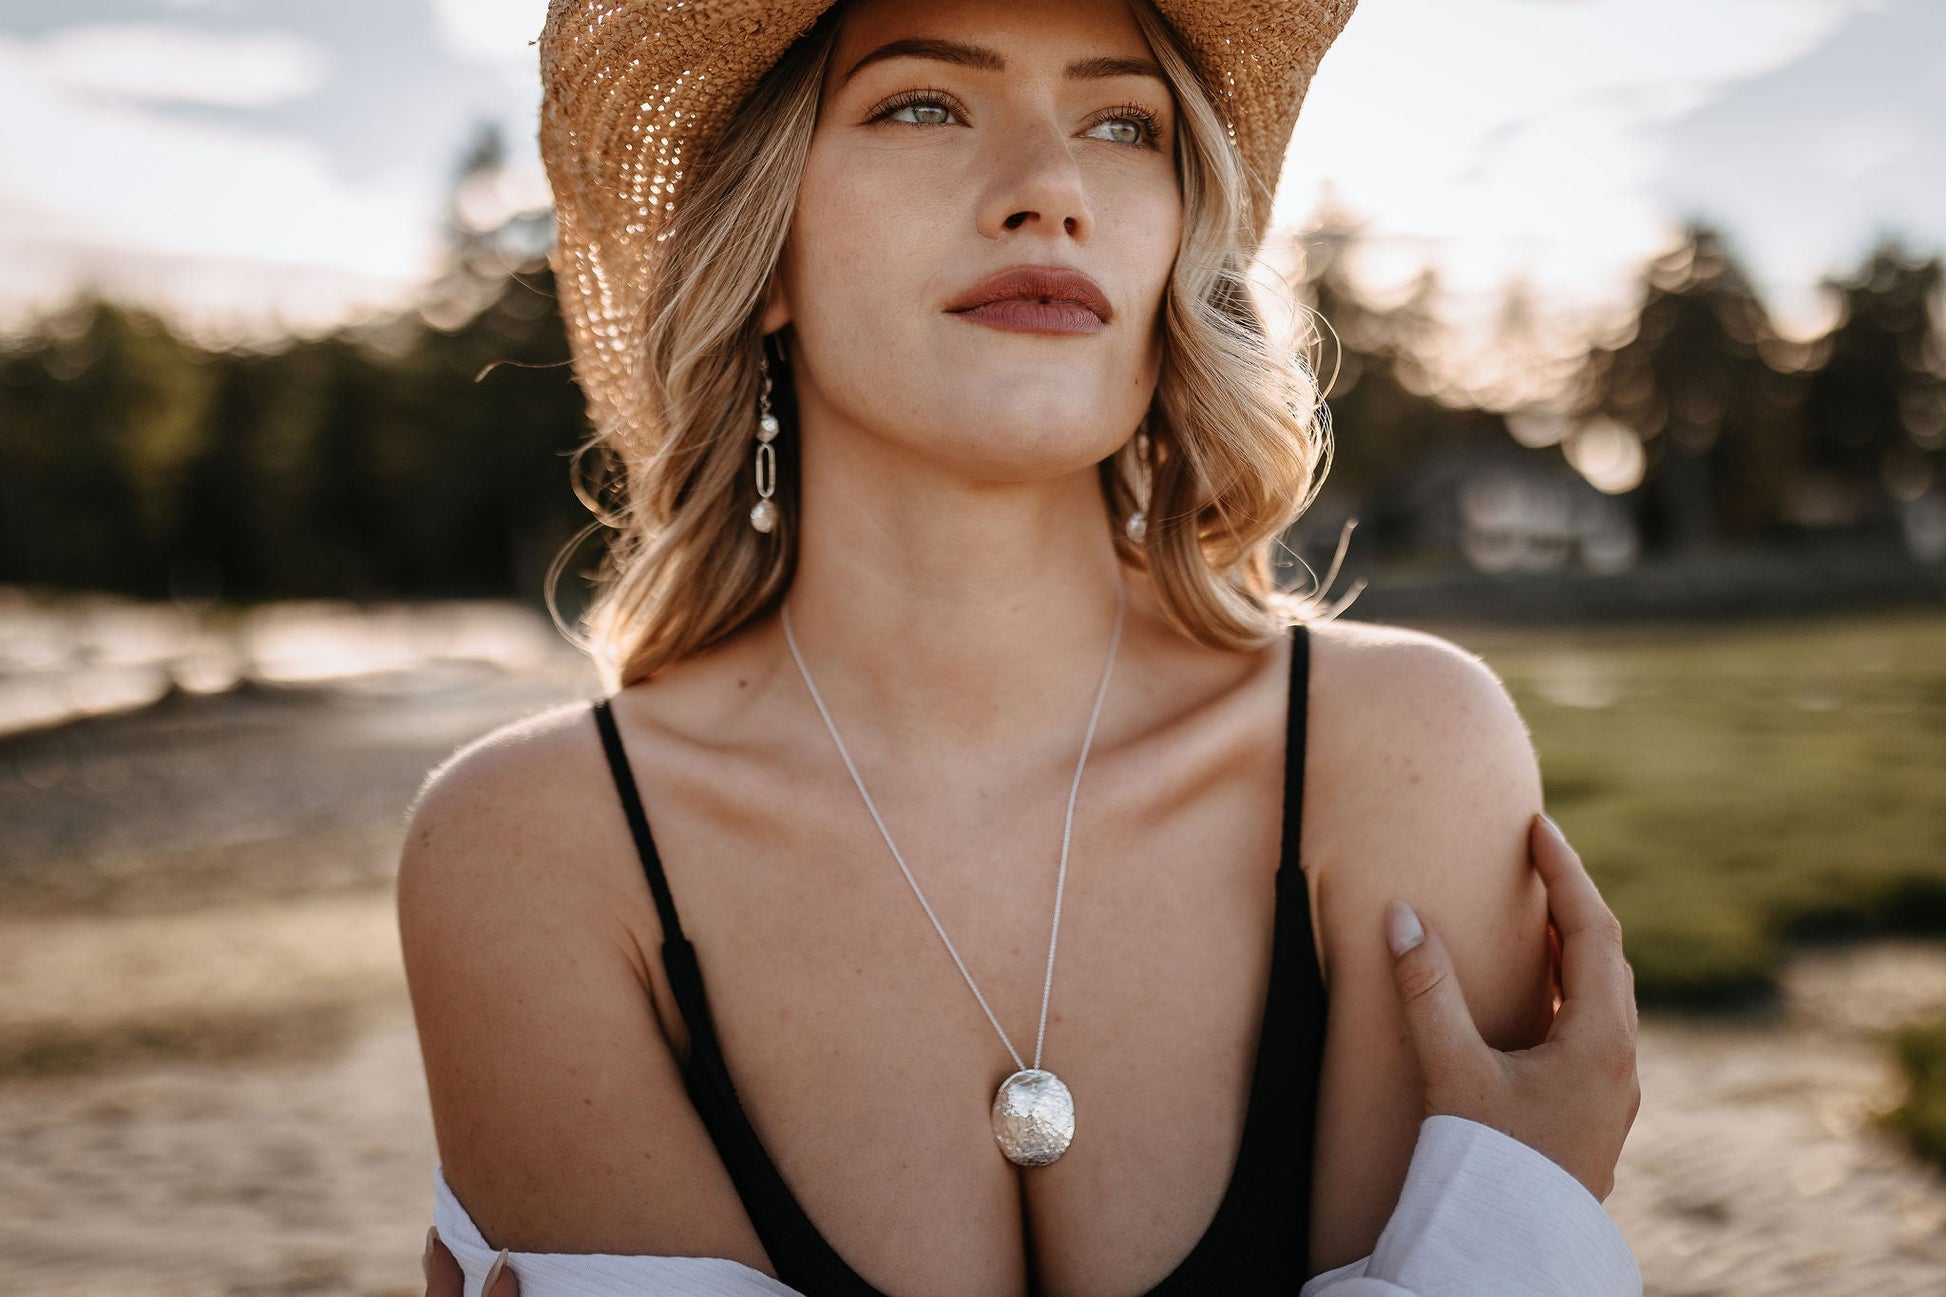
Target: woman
point(959, 284)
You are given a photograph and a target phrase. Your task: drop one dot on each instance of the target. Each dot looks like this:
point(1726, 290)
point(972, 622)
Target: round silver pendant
point(1033, 1117)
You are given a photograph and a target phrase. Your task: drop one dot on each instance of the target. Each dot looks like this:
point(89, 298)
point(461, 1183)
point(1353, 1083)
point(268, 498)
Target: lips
point(1036, 299)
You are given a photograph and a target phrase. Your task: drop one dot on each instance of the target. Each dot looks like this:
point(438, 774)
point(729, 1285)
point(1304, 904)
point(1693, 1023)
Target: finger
point(500, 1281)
point(1576, 907)
point(1554, 962)
point(443, 1277)
point(1448, 1044)
point(1597, 988)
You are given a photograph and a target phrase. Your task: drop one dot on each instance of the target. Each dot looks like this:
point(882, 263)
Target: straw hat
point(636, 91)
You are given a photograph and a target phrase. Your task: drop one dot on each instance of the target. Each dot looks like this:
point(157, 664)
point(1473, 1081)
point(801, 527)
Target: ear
point(777, 304)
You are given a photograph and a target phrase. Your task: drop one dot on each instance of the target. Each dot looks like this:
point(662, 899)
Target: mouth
point(1036, 299)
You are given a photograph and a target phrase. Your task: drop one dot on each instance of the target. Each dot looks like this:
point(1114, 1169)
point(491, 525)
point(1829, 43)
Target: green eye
point(1129, 124)
point(1121, 130)
point(928, 113)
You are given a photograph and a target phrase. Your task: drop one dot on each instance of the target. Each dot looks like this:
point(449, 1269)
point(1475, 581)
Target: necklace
point(1033, 1111)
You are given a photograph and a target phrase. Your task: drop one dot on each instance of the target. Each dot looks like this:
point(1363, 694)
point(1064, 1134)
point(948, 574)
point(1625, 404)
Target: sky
point(249, 165)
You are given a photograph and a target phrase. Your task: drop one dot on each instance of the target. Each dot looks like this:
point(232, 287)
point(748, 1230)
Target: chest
point(867, 1066)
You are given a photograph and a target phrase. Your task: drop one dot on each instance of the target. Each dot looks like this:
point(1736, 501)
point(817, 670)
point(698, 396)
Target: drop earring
point(764, 515)
point(1137, 526)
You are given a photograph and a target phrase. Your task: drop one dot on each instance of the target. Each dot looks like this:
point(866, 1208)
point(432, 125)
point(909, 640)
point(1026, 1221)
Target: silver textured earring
point(764, 515)
point(1137, 526)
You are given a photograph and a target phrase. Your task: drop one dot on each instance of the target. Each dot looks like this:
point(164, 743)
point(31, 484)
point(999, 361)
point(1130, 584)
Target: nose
point(1036, 185)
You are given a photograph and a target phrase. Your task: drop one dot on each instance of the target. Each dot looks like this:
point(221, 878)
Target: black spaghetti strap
point(786, 1232)
point(1295, 727)
point(638, 820)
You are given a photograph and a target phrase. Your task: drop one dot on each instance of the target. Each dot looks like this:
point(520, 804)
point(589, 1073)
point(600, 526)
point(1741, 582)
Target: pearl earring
point(1137, 526)
point(764, 515)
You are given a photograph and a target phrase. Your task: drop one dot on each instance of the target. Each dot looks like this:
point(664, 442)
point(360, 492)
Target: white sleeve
point(592, 1274)
point(1480, 1215)
point(1483, 1215)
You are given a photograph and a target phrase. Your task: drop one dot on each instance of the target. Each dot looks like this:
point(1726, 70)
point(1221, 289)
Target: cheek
point(1146, 248)
point(858, 259)
point(839, 298)
point(1153, 238)
point(846, 282)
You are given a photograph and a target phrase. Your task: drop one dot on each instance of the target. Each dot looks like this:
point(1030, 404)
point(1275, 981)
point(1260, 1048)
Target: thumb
point(1444, 1036)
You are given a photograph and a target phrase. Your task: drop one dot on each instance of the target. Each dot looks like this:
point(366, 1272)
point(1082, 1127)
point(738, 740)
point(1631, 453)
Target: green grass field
point(1737, 788)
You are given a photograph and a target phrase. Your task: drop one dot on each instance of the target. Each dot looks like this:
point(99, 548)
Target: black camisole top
point(1259, 1238)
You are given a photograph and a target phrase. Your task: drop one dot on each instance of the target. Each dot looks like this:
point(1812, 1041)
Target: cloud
point(1806, 165)
point(97, 183)
point(149, 62)
point(490, 31)
point(1503, 137)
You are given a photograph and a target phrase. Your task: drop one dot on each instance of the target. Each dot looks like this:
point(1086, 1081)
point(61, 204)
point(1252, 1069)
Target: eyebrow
point(986, 60)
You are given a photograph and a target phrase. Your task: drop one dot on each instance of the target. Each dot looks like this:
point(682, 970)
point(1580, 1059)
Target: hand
point(1572, 1097)
point(444, 1279)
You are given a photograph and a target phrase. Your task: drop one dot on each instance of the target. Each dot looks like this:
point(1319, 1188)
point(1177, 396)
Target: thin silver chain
point(1067, 830)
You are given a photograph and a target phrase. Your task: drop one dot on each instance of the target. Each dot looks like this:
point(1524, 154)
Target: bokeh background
point(1637, 348)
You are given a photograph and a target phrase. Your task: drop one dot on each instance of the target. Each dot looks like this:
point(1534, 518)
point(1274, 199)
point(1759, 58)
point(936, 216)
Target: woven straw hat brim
point(636, 91)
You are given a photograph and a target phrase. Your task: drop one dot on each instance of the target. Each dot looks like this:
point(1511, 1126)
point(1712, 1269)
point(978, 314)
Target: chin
point(1015, 445)
point(1031, 399)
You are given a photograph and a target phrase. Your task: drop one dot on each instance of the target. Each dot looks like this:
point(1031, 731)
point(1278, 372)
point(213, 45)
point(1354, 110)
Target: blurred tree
point(1407, 335)
point(490, 388)
point(1386, 418)
point(356, 473)
point(1876, 406)
point(99, 415)
point(1721, 441)
point(497, 413)
point(223, 545)
point(420, 455)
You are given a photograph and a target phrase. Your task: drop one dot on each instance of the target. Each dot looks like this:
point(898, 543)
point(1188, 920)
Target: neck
point(952, 614)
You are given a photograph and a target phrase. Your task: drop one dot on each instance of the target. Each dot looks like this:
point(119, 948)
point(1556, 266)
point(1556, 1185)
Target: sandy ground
point(209, 1082)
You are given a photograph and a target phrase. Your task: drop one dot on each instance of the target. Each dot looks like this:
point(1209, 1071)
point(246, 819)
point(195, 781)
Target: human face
point(957, 139)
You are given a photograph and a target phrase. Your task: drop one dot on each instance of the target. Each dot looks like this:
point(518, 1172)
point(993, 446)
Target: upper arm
point(1426, 783)
point(560, 1112)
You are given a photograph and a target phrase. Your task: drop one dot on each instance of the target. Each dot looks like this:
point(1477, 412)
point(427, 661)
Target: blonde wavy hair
point(1239, 432)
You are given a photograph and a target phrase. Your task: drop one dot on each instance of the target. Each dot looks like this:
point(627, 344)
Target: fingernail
point(493, 1274)
point(1402, 930)
point(1552, 825)
point(425, 1257)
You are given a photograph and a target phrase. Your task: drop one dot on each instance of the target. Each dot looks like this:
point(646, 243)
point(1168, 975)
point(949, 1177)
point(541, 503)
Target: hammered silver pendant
point(1033, 1117)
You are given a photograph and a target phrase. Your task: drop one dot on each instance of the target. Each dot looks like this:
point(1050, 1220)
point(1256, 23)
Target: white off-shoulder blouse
point(1480, 1215)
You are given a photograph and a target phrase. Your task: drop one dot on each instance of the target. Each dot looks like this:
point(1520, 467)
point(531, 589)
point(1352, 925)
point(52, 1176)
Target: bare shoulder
point(1421, 727)
point(522, 812)
point(1416, 686)
point(560, 1113)
point(539, 759)
point(1421, 784)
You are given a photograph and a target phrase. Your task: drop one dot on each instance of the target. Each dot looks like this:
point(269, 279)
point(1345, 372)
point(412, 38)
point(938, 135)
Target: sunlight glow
point(1489, 139)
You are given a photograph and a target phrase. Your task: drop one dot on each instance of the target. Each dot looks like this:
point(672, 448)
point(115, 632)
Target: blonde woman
point(974, 879)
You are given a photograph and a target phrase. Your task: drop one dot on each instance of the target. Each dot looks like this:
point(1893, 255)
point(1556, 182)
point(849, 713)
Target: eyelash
point(1150, 123)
